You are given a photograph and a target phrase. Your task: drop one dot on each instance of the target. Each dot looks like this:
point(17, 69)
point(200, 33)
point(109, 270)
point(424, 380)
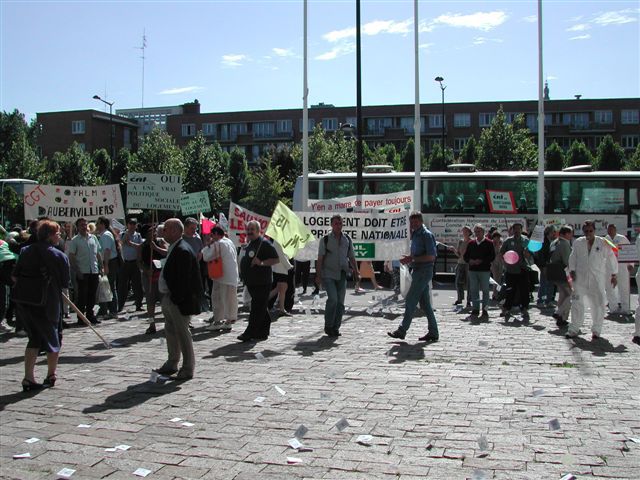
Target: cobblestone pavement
point(509, 400)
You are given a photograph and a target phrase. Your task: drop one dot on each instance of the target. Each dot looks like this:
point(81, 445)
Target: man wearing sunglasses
point(591, 264)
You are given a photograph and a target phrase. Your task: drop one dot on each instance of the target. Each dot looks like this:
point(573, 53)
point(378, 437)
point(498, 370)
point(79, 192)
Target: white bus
point(570, 197)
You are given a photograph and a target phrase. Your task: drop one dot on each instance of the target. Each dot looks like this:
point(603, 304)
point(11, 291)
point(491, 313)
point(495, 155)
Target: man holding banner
point(422, 259)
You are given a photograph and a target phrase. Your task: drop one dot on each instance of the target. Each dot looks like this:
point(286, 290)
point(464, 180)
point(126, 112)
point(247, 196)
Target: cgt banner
point(155, 191)
point(396, 202)
point(67, 204)
point(238, 219)
point(195, 203)
point(375, 236)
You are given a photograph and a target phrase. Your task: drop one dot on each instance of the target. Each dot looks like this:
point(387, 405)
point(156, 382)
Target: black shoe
point(261, 339)
point(50, 381)
point(95, 321)
point(244, 338)
point(151, 330)
point(316, 291)
point(166, 371)
point(28, 386)
point(636, 340)
point(66, 325)
point(336, 333)
point(458, 302)
point(304, 291)
point(397, 334)
point(475, 312)
point(429, 338)
point(139, 309)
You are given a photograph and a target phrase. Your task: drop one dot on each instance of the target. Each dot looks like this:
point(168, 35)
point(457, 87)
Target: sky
point(248, 55)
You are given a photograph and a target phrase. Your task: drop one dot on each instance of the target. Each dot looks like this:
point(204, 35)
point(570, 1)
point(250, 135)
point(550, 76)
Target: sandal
point(28, 385)
point(50, 381)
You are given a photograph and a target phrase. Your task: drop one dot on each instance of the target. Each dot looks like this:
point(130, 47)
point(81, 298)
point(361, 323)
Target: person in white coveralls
point(591, 264)
point(618, 297)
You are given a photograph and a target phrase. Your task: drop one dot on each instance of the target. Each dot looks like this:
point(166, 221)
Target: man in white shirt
point(591, 264)
point(224, 291)
point(618, 297)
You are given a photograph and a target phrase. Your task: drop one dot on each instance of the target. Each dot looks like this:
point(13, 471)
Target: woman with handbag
point(42, 271)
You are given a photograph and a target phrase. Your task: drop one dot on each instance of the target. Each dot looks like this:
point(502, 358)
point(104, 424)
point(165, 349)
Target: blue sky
point(247, 55)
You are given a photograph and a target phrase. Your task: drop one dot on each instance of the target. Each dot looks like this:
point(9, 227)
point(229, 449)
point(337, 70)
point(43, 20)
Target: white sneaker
point(225, 326)
point(215, 326)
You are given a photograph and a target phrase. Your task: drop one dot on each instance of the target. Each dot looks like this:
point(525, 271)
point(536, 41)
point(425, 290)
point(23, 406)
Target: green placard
point(364, 250)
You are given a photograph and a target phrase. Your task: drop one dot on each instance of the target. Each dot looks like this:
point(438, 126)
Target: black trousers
point(517, 290)
point(87, 288)
point(302, 273)
point(129, 277)
point(259, 319)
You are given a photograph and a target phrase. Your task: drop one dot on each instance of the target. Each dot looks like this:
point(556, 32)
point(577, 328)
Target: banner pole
point(84, 319)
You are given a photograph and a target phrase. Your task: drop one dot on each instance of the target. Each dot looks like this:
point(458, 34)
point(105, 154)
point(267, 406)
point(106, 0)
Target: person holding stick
point(43, 323)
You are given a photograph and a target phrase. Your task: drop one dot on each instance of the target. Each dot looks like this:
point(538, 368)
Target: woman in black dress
point(42, 324)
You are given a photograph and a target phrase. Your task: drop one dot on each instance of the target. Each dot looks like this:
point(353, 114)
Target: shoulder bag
point(214, 267)
point(32, 290)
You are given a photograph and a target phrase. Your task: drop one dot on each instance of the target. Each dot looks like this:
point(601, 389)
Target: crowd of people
point(170, 264)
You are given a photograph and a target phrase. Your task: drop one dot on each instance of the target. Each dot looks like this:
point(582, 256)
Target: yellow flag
point(288, 230)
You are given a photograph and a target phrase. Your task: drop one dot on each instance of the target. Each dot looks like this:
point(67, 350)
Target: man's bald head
point(173, 229)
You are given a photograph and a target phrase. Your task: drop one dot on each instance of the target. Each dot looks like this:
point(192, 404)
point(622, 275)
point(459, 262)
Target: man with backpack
point(335, 257)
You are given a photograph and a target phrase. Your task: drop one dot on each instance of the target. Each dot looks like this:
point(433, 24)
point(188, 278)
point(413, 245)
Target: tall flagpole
point(417, 187)
point(540, 120)
point(305, 119)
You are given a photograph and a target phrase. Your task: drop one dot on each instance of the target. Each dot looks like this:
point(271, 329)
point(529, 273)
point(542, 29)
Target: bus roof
point(480, 175)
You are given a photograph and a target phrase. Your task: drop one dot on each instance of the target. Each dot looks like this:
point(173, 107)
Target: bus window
point(388, 186)
point(314, 192)
point(524, 193)
point(597, 196)
point(455, 196)
point(338, 188)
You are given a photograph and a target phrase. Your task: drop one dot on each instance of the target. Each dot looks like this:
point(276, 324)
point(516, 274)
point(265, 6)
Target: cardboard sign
point(628, 253)
point(447, 229)
point(396, 202)
point(67, 204)
point(238, 219)
point(197, 202)
point(501, 201)
point(155, 191)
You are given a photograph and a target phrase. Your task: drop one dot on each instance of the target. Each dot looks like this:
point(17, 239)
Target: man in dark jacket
point(181, 288)
point(479, 254)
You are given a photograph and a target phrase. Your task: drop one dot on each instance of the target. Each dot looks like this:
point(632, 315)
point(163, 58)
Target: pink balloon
point(511, 257)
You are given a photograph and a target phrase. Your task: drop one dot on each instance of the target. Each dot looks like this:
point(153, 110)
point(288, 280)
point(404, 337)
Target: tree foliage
point(266, 187)
point(554, 157)
point(469, 153)
point(73, 168)
point(609, 156)
point(407, 157)
point(158, 154)
point(239, 173)
point(437, 161)
point(331, 151)
point(632, 164)
point(505, 146)
point(578, 154)
point(18, 157)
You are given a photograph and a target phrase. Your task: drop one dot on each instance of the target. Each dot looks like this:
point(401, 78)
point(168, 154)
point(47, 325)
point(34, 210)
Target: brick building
point(588, 120)
point(89, 128)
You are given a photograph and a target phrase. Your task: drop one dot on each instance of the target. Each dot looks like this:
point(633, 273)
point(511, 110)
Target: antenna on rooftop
point(143, 47)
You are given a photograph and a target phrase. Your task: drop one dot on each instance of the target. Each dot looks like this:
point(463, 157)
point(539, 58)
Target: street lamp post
point(442, 87)
point(97, 97)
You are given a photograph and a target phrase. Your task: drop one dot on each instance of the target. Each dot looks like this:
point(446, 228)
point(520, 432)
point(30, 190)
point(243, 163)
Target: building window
point(312, 124)
point(486, 119)
point(461, 119)
point(352, 120)
point(126, 140)
point(604, 117)
point(224, 131)
point(77, 127)
point(630, 117)
point(329, 124)
point(531, 120)
point(188, 129)
point(576, 120)
point(510, 117)
point(264, 129)
point(209, 130)
point(407, 124)
point(255, 153)
point(376, 126)
point(629, 142)
point(435, 121)
point(284, 126)
point(459, 143)
point(236, 129)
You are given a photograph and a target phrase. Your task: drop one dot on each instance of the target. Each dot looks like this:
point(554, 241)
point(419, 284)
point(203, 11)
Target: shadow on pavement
point(403, 351)
point(124, 342)
point(599, 347)
point(308, 348)
point(133, 395)
point(16, 397)
point(11, 361)
point(239, 352)
point(80, 359)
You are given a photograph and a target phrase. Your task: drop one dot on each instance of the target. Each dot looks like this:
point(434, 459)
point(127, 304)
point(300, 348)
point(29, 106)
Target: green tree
point(469, 153)
point(157, 154)
point(266, 187)
point(18, 157)
point(554, 157)
point(239, 174)
point(609, 156)
point(504, 146)
point(73, 168)
point(207, 170)
point(439, 162)
point(632, 164)
point(578, 154)
point(102, 161)
point(386, 155)
point(331, 151)
point(407, 157)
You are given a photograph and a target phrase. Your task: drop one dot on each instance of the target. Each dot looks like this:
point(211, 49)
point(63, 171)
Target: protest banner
point(197, 202)
point(628, 253)
point(396, 202)
point(153, 190)
point(67, 204)
point(501, 201)
point(375, 236)
point(447, 229)
point(238, 218)
point(288, 230)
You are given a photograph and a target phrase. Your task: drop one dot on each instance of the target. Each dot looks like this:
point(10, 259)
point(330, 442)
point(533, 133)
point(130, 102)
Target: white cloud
point(282, 52)
point(615, 17)
point(483, 21)
point(233, 59)
point(552, 77)
point(178, 90)
point(530, 19)
point(483, 40)
point(337, 51)
point(579, 27)
point(586, 36)
point(372, 28)
point(426, 45)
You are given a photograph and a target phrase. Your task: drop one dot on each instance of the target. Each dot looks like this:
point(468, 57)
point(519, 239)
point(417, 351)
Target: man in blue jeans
point(335, 256)
point(421, 260)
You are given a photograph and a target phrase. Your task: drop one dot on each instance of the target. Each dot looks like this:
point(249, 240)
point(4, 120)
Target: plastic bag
point(405, 280)
point(104, 294)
